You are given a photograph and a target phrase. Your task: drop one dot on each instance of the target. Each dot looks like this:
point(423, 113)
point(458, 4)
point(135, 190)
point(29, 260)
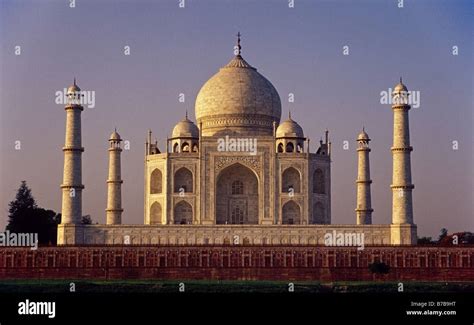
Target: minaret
point(364, 207)
point(114, 182)
point(72, 178)
point(402, 205)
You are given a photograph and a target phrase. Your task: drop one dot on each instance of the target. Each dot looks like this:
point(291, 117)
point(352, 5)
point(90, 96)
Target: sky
point(175, 50)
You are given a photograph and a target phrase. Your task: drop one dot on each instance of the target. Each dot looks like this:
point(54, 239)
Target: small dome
point(74, 88)
point(363, 135)
point(115, 136)
point(289, 129)
point(400, 87)
point(185, 129)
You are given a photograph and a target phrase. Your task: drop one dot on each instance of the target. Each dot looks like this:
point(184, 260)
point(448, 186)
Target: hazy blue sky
point(299, 50)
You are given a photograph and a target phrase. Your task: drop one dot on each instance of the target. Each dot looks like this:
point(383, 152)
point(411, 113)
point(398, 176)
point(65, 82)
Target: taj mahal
point(238, 175)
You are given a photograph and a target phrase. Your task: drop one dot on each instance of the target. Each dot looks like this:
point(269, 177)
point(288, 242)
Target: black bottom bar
point(213, 306)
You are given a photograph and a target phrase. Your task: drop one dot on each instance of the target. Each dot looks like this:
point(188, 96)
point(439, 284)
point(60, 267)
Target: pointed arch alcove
point(237, 196)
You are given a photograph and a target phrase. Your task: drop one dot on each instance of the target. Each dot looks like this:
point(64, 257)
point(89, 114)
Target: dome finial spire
point(401, 80)
point(186, 114)
point(75, 81)
point(289, 114)
point(238, 43)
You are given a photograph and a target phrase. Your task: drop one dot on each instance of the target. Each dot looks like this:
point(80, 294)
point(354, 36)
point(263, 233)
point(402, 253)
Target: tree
point(26, 217)
point(442, 233)
point(23, 203)
point(458, 238)
point(86, 220)
point(468, 238)
point(425, 240)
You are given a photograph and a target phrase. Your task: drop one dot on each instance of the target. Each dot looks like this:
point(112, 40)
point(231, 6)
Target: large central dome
point(238, 100)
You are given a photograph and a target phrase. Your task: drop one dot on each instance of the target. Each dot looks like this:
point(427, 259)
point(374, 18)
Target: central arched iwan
point(237, 196)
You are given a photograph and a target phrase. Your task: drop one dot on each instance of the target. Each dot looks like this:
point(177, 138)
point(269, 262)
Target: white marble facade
point(238, 175)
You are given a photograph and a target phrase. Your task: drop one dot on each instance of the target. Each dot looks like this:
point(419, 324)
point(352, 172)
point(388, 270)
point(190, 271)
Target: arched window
point(175, 147)
point(290, 147)
point(237, 188)
point(319, 213)
point(156, 182)
point(195, 148)
point(183, 181)
point(185, 147)
point(155, 214)
point(280, 147)
point(183, 213)
point(291, 213)
point(237, 216)
point(290, 180)
point(319, 185)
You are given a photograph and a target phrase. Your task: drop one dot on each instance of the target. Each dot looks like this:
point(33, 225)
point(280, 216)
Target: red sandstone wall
point(239, 262)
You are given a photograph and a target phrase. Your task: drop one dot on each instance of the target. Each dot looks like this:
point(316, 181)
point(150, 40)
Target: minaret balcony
point(409, 149)
point(369, 181)
point(73, 148)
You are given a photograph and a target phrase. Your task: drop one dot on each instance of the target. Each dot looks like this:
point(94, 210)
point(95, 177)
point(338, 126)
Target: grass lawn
point(202, 286)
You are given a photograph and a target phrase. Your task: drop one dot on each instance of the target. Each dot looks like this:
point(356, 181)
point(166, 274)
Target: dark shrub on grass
point(379, 267)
